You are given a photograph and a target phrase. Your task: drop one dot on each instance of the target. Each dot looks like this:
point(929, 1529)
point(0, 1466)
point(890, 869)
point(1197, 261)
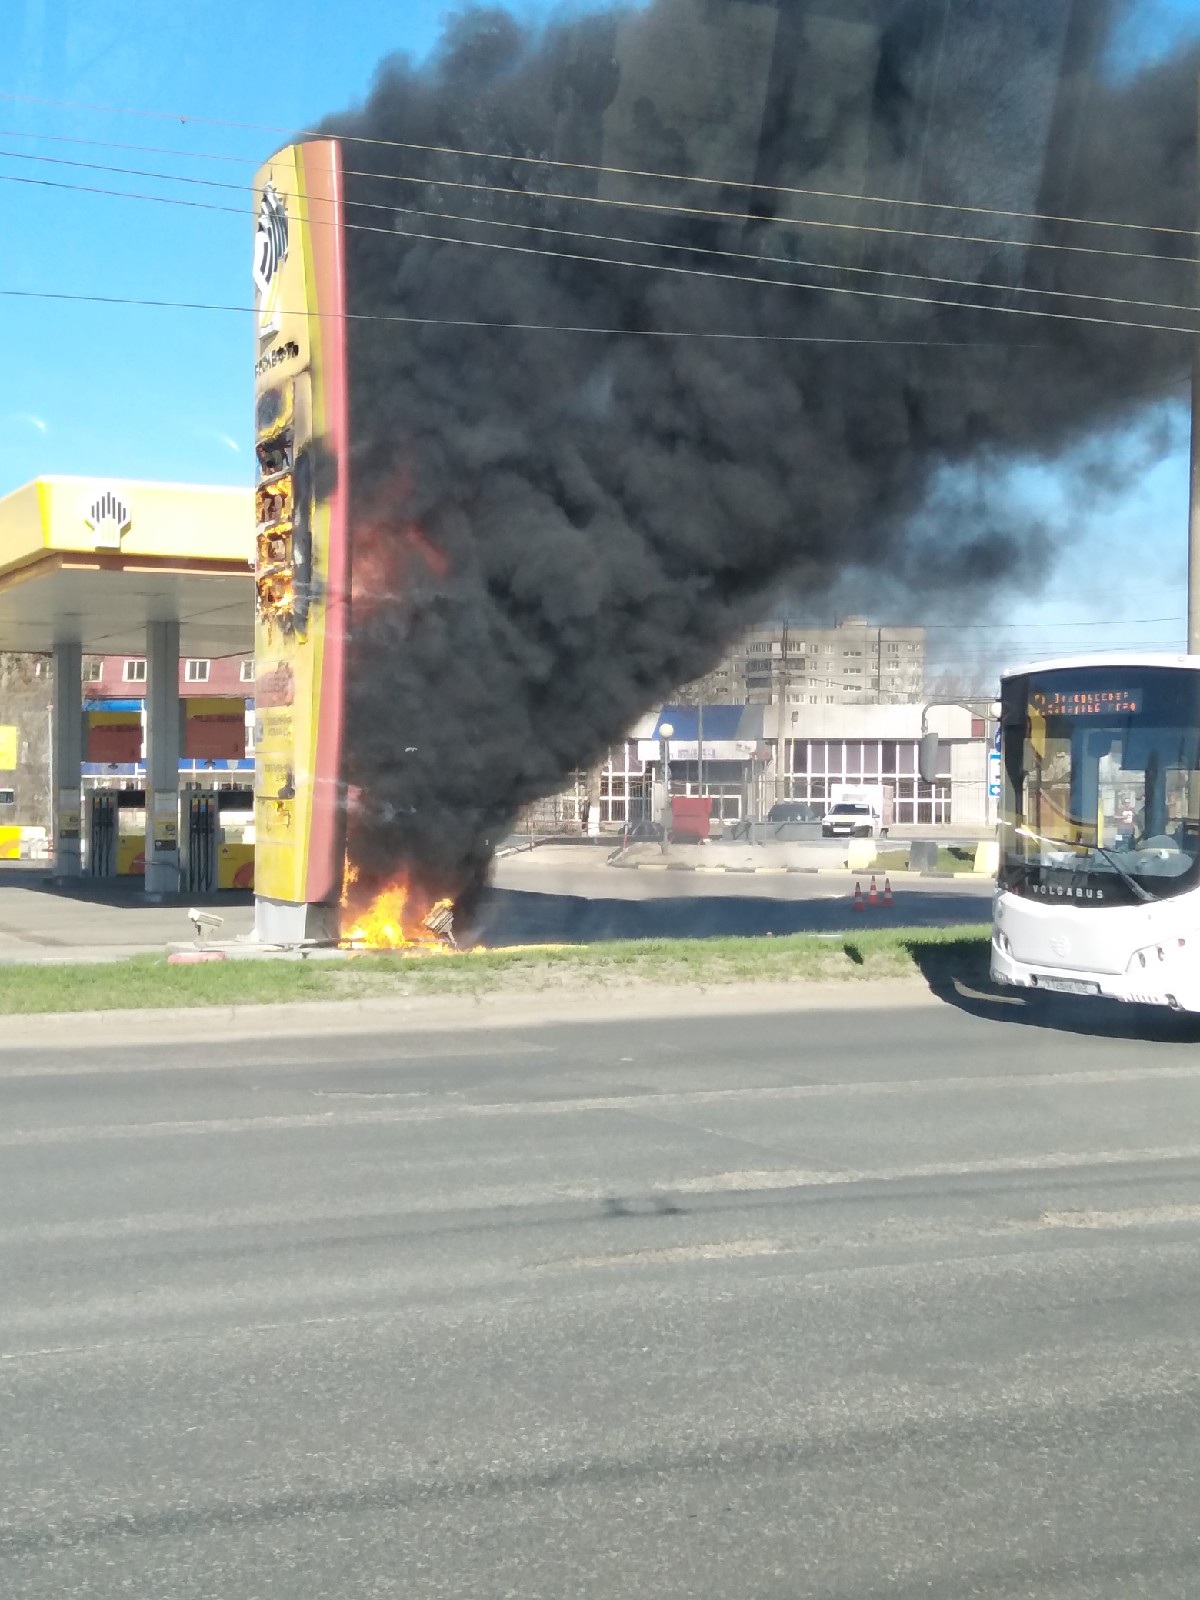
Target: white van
point(851, 819)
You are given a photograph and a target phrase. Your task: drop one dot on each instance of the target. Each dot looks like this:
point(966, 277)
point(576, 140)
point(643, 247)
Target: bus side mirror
point(927, 758)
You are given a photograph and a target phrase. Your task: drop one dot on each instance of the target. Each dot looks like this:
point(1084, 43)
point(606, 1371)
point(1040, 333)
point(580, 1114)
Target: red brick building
point(124, 678)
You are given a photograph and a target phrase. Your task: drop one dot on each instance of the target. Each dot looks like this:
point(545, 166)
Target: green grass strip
point(146, 982)
point(948, 860)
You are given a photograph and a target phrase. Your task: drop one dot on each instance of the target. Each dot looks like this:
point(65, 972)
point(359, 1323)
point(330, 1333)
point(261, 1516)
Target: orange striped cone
point(887, 894)
point(858, 899)
point(873, 896)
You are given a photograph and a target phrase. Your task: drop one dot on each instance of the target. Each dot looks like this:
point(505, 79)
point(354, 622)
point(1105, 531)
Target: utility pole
point(785, 682)
point(1193, 612)
point(700, 742)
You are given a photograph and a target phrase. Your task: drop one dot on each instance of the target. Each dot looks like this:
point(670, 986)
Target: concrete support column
point(66, 759)
point(164, 745)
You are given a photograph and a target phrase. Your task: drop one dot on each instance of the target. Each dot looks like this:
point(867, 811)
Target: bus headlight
point(1002, 942)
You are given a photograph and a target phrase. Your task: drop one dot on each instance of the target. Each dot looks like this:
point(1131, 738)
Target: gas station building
point(157, 573)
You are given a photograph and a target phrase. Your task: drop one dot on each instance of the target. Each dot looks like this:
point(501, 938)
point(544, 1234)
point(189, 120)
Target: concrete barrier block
point(987, 858)
point(862, 854)
point(923, 855)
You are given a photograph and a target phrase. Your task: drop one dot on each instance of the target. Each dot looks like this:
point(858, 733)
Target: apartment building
point(786, 663)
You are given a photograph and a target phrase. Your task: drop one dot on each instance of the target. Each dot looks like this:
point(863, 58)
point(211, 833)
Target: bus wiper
point(1122, 872)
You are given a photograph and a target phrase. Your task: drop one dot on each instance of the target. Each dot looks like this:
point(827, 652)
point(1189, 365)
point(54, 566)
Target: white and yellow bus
point(1099, 879)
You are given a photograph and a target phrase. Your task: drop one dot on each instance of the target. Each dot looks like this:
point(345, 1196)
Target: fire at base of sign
point(392, 921)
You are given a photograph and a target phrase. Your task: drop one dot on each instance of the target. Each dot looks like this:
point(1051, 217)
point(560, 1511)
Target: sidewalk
point(88, 919)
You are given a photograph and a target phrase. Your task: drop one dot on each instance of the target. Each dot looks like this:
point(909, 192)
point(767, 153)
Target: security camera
point(204, 922)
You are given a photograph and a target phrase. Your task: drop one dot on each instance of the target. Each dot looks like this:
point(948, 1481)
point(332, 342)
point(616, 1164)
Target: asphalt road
point(542, 896)
point(573, 895)
point(874, 1303)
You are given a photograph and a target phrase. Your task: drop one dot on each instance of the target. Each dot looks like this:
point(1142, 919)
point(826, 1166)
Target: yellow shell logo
point(270, 252)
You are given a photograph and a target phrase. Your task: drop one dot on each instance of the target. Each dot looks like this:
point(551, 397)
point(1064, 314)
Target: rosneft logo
point(108, 519)
point(270, 252)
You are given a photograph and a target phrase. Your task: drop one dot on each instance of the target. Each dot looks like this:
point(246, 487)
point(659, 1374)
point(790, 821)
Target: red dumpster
point(691, 816)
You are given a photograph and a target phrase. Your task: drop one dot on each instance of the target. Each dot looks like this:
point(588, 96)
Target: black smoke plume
point(553, 528)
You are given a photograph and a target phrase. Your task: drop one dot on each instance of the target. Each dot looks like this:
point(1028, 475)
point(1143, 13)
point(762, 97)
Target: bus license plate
point(1068, 986)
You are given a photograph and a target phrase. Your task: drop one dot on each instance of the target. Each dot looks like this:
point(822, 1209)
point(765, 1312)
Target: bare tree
point(26, 696)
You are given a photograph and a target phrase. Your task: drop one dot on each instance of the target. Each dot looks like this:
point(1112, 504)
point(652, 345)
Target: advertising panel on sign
point(114, 737)
point(214, 729)
point(301, 556)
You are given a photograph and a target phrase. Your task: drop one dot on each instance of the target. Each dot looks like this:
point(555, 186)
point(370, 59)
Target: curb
point(75, 1031)
point(817, 872)
point(745, 872)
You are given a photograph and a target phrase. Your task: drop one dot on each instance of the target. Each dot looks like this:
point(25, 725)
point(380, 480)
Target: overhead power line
point(664, 209)
point(910, 275)
point(661, 208)
point(594, 167)
point(992, 627)
point(515, 327)
point(646, 266)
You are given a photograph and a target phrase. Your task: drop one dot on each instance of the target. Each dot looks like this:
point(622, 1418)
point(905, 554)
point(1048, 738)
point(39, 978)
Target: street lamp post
point(666, 733)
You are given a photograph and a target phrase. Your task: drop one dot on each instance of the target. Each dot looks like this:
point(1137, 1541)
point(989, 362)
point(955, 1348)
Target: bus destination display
point(1086, 702)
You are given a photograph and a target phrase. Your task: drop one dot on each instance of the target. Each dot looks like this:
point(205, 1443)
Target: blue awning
point(721, 723)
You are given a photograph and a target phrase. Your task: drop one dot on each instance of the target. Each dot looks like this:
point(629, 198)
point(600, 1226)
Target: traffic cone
point(858, 899)
point(887, 894)
point(873, 896)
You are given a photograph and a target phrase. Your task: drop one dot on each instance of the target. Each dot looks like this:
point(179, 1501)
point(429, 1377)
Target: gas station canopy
point(94, 562)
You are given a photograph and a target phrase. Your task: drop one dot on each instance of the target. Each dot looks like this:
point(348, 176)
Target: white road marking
point(1134, 1217)
point(650, 1102)
point(671, 1255)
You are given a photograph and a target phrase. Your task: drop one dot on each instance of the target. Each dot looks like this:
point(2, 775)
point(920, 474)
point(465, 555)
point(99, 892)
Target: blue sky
point(130, 391)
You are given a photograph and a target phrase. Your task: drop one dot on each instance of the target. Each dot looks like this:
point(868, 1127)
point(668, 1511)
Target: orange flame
point(389, 560)
point(396, 919)
point(275, 592)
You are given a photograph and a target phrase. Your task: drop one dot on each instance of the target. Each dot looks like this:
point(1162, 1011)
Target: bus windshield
point(1101, 784)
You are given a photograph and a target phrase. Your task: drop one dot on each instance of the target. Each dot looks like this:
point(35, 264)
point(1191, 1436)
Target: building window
point(93, 671)
point(830, 700)
point(247, 672)
point(134, 672)
point(195, 671)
